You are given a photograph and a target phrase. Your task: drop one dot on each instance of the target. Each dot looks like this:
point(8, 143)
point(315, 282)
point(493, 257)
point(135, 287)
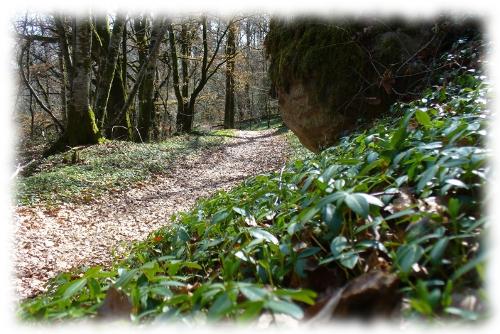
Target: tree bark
point(146, 93)
point(121, 128)
point(124, 58)
point(28, 76)
point(184, 118)
point(82, 128)
point(64, 85)
point(248, 100)
point(230, 52)
point(64, 47)
point(141, 25)
point(116, 125)
point(152, 56)
point(107, 72)
point(175, 77)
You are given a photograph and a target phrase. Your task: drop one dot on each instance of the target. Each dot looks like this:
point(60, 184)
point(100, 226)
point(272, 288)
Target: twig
point(416, 53)
point(35, 95)
point(20, 168)
point(319, 244)
point(279, 183)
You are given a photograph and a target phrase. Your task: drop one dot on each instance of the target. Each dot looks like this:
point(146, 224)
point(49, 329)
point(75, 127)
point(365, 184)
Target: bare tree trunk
point(141, 25)
point(124, 58)
point(186, 101)
point(152, 57)
point(82, 128)
point(161, 118)
point(186, 122)
point(184, 111)
point(107, 72)
point(230, 52)
point(119, 126)
point(64, 46)
point(146, 94)
point(28, 76)
point(64, 85)
point(248, 101)
point(175, 76)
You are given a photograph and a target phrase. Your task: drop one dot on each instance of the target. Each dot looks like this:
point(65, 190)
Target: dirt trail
point(48, 241)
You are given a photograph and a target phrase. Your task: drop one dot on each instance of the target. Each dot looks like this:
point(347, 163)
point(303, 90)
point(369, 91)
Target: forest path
point(52, 240)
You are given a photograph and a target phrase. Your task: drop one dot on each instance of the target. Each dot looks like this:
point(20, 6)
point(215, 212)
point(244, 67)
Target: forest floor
point(56, 238)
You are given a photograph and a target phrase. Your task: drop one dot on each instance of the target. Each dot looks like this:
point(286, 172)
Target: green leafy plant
point(407, 191)
point(108, 167)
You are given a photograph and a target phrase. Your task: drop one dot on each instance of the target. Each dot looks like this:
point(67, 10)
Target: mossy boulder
point(311, 120)
point(331, 76)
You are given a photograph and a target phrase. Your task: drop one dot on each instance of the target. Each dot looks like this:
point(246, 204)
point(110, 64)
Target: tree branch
point(45, 39)
point(33, 92)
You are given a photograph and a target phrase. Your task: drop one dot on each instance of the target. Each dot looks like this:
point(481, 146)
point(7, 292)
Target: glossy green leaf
point(74, 288)
point(303, 295)
point(332, 218)
point(357, 203)
point(438, 250)
point(423, 118)
point(427, 176)
point(338, 245)
point(221, 306)
point(253, 293)
point(349, 259)
point(125, 277)
point(407, 256)
point(400, 214)
point(240, 211)
point(219, 216)
point(457, 183)
point(251, 310)
point(337, 196)
point(308, 214)
point(465, 314)
point(472, 264)
point(262, 234)
point(373, 200)
point(281, 306)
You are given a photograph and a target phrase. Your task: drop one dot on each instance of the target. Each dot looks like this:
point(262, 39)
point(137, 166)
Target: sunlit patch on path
point(55, 239)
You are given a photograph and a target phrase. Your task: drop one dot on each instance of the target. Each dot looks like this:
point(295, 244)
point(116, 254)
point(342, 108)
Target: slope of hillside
point(388, 222)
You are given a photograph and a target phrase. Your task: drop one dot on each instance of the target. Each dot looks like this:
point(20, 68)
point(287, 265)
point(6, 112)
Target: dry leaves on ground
point(51, 240)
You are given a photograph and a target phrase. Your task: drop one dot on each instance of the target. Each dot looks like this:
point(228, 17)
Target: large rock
point(368, 296)
point(313, 123)
point(330, 75)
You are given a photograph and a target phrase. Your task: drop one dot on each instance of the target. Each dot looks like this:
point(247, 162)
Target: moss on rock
point(314, 53)
point(330, 75)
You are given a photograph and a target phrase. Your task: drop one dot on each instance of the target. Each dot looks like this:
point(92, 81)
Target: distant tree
point(82, 128)
point(146, 92)
point(186, 100)
point(133, 71)
point(110, 44)
point(29, 80)
point(230, 55)
point(147, 66)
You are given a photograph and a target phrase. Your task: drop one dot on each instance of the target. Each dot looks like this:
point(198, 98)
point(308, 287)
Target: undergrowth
point(404, 196)
point(273, 122)
point(296, 149)
point(111, 166)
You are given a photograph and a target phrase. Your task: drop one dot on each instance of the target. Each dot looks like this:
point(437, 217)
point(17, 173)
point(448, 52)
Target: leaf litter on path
point(51, 240)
